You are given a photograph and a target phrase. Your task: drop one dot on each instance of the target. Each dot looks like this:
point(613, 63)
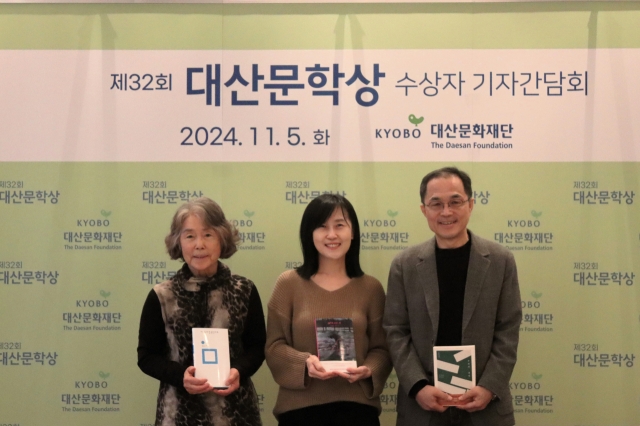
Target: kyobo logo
point(523, 223)
point(382, 223)
point(527, 385)
point(415, 120)
point(92, 384)
point(402, 133)
point(209, 356)
point(94, 303)
point(398, 133)
point(535, 304)
point(241, 223)
point(379, 223)
point(526, 223)
point(92, 223)
point(89, 303)
point(524, 386)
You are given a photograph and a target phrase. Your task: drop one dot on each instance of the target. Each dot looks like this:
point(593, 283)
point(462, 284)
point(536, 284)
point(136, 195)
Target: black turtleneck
point(452, 266)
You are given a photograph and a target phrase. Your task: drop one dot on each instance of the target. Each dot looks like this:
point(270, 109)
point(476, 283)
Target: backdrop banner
point(111, 116)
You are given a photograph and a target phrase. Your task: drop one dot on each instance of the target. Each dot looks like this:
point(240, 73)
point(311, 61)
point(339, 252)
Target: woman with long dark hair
point(329, 286)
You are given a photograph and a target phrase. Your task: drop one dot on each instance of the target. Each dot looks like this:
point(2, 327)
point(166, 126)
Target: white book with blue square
point(211, 355)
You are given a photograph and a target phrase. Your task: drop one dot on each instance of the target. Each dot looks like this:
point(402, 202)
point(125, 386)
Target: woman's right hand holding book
point(355, 374)
point(317, 371)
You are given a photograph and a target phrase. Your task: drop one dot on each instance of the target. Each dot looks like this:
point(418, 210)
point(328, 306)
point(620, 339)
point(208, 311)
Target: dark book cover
point(334, 339)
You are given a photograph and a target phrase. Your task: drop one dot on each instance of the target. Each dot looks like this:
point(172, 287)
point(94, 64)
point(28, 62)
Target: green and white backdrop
point(112, 114)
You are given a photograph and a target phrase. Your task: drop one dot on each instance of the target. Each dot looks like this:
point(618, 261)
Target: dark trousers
point(341, 413)
point(451, 417)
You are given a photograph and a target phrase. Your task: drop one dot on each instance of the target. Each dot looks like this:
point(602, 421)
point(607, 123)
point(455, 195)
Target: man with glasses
point(454, 289)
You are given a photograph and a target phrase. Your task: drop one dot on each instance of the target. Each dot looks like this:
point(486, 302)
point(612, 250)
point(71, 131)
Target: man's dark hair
point(315, 215)
point(446, 172)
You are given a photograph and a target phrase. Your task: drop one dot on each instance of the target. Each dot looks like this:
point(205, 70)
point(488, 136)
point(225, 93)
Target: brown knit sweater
point(291, 338)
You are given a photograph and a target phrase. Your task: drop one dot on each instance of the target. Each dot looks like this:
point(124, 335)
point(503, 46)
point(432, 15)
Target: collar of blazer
point(479, 262)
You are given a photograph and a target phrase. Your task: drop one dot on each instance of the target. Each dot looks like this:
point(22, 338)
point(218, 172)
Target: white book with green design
point(454, 370)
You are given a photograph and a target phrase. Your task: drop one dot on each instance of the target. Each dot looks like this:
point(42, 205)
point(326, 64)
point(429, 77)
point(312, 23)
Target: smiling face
point(200, 247)
point(449, 225)
point(333, 238)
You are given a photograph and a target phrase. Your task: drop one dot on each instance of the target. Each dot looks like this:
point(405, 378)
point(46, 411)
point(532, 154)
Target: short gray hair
point(213, 217)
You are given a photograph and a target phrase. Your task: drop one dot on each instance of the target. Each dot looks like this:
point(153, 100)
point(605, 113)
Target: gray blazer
point(491, 321)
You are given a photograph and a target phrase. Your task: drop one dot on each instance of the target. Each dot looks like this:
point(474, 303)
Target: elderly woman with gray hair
point(203, 293)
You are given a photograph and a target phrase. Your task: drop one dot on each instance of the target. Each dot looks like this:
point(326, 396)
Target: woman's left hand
point(355, 374)
point(192, 384)
point(233, 382)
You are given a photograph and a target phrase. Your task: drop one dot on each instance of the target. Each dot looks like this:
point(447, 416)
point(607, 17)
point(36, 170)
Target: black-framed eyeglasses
point(454, 204)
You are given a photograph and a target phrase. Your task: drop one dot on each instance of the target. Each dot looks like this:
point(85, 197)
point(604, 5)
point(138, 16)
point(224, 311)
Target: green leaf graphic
point(105, 213)
point(536, 376)
point(536, 214)
point(391, 213)
point(105, 294)
point(247, 213)
point(103, 375)
point(536, 295)
point(414, 120)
